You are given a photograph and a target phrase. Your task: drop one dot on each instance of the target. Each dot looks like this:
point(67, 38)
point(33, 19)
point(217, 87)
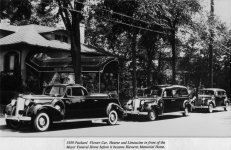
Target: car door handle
point(95, 100)
point(173, 100)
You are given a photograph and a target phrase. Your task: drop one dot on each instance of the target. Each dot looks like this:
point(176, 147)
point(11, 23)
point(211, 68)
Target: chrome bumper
point(201, 107)
point(18, 118)
point(134, 113)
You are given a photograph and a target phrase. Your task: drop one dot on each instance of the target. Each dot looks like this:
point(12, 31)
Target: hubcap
point(210, 108)
point(42, 121)
point(186, 111)
point(112, 117)
point(152, 115)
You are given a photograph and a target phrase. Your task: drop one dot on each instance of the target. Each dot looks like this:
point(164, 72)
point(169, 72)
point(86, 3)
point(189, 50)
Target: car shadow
point(205, 111)
point(27, 128)
point(144, 118)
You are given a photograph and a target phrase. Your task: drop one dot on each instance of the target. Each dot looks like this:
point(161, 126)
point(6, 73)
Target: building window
point(57, 37)
point(65, 39)
point(61, 38)
point(11, 61)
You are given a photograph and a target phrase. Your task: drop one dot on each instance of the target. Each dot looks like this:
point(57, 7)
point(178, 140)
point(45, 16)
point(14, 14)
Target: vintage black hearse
point(62, 103)
point(159, 100)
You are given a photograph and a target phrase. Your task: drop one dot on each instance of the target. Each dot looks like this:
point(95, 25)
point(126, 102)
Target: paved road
point(198, 124)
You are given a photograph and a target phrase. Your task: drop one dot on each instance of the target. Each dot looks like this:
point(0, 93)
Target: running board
point(170, 113)
point(135, 113)
point(80, 120)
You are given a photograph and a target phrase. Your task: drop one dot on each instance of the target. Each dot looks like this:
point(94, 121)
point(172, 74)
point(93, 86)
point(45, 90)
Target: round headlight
point(27, 102)
point(213, 97)
point(13, 102)
point(58, 107)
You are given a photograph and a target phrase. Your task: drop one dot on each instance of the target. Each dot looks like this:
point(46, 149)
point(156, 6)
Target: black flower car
point(210, 98)
point(62, 103)
point(159, 100)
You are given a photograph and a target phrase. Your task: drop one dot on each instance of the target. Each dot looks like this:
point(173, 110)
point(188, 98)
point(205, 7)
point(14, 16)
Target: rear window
point(220, 93)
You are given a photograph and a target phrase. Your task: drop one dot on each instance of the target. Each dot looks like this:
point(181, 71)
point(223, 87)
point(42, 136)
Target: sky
point(222, 8)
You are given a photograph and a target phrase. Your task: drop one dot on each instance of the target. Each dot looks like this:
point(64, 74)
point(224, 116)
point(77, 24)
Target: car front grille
point(20, 105)
point(201, 101)
point(198, 102)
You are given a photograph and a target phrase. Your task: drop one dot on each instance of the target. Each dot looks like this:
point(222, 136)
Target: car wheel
point(112, 117)
point(186, 111)
point(192, 108)
point(152, 115)
point(226, 106)
point(210, 108)
point(42, 122)
point(13, 124)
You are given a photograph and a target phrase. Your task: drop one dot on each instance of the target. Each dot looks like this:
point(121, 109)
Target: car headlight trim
point(58, 107)
point(27, 102)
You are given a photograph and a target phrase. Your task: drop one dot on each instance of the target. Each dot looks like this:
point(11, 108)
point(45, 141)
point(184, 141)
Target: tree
point(124, 12)
point(15, 10)
point(149, 39)
point(173, 15)
point(70, 12)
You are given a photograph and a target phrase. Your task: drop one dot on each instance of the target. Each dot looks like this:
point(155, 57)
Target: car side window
point(221, 93)
point(84, 92)
point(68, 92)
point(183, 92)
point(77, 91)
point(176, 92)
point(168, 93)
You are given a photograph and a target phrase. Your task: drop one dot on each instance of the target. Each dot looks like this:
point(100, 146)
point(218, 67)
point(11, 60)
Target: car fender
point(60, 103)
point(227, 100)
point(116, 107)
point(51, 110)
point(160, 101)
point(211, 102)
point(155, 107)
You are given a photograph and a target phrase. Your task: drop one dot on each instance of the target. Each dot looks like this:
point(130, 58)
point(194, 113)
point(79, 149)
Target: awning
point(89, 64)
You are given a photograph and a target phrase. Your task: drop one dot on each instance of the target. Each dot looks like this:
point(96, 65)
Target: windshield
point(153, 92)
point(206, 92)
point(141, 93)
point(55, 91)
point(156, 92)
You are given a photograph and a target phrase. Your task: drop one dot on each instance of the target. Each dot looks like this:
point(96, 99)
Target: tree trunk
point(75, 42)
point(134, 79)
point(159, 78)
point(72, 19)
point(211, 43)
point(151, 52)
point(76, 53)
point(149, 63)
point(173, 43)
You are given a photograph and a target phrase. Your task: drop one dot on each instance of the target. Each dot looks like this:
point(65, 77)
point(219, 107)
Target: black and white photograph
point(115, 74)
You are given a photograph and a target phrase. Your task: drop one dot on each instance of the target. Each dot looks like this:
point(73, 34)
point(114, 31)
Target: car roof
point(75, 85)
point(213, 89)
point(170, 86)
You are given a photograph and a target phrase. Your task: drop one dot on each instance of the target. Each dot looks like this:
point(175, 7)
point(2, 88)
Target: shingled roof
point(31, 35)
